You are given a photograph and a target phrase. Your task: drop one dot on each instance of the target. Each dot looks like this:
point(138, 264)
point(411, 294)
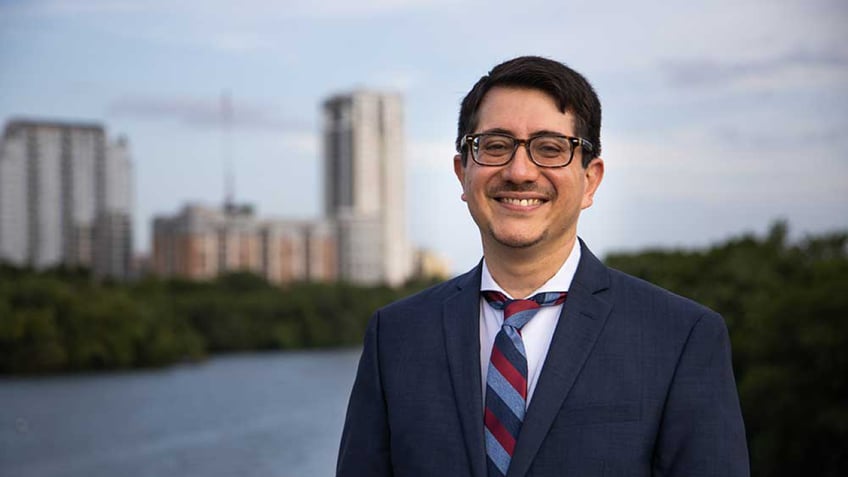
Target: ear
point(593, 174)
point(459, 170)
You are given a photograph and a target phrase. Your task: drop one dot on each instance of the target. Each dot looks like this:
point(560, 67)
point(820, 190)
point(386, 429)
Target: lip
point(520, 202)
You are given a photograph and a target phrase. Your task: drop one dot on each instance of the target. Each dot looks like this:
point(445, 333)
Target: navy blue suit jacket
point(637, 382)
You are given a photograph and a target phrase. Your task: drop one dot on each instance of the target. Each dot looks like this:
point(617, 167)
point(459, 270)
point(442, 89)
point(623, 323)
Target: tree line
point(785, 305)
point(61, 320)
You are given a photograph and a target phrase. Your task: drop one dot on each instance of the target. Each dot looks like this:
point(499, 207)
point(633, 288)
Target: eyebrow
point(543, 132)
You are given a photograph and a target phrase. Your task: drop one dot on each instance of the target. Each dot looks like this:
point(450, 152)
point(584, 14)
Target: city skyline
point(720, 117)
point(361, 237)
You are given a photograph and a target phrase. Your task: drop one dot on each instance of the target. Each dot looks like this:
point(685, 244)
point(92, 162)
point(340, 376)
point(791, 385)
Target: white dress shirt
point(537, 333)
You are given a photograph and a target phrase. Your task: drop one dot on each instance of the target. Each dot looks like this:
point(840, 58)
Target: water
point(252, 415)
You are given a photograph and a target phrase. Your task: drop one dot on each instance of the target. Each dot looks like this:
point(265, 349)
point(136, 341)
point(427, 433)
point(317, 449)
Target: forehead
point(522, 111)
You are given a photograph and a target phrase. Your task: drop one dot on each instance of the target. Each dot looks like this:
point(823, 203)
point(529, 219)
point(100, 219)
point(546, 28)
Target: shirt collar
point(561, 281)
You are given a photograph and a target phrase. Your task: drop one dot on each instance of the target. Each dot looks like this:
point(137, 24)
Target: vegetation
point(61, 320)
point(786, 306)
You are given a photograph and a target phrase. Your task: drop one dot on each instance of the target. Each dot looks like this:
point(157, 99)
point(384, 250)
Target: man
point(615, 377)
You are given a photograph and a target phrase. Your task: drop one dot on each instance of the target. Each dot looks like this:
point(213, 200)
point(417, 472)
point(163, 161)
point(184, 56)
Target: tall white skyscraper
point(364, 186)
point(65, 197)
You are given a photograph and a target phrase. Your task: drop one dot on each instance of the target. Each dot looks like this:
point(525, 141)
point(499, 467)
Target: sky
point(719, 117)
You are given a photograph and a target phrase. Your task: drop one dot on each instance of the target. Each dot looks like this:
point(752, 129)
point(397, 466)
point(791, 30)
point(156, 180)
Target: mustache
point(523, 187)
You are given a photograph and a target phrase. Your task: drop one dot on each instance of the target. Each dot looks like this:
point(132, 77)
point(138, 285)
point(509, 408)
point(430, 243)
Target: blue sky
point(719, 116)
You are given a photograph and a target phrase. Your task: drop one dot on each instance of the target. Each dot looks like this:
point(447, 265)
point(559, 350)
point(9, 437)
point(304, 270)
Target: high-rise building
point(364, 186)
point(65, 197)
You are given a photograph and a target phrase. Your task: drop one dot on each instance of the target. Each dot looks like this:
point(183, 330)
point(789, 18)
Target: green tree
point(787, 313)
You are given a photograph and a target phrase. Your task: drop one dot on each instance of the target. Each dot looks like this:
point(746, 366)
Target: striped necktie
point(506, 381)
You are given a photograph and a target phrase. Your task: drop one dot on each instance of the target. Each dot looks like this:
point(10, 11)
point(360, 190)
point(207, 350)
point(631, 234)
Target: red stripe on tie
point(515, 378)
point(519, 306)
point(500, 432)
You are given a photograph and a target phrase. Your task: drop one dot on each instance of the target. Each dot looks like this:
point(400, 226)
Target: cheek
point(474, 192)
point(473, 184)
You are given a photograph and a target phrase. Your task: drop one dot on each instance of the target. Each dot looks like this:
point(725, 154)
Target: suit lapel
point(582, 319)
point(461, 319)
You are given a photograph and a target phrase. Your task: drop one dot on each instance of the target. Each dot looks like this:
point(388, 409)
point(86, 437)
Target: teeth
point(521, 202)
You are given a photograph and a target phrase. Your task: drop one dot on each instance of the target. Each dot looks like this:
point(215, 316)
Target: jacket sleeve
point(364, 449)
point(702, 432)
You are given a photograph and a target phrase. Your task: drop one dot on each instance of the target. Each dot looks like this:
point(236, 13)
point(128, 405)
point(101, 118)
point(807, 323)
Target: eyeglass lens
point(495, 149)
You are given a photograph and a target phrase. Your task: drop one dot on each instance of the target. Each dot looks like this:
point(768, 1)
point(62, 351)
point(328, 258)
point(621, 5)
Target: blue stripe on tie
point(518, 344)
point(546, 298)
point(510, 397)
point(492, 469)
point(507, 417)
point(497, 453)
point(518, 320)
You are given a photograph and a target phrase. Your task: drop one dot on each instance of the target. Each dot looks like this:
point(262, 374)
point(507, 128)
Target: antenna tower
point(227, 151)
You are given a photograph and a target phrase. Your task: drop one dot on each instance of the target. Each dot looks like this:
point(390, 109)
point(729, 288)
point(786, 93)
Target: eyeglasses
point(546, 150)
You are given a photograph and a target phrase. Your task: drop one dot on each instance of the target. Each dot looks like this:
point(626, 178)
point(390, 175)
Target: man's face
point(521, 205)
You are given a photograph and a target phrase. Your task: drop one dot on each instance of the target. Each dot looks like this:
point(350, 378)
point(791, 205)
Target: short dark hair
point(567, 87)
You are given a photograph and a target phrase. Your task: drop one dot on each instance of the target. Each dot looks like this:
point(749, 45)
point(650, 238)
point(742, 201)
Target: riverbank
point(62, 321)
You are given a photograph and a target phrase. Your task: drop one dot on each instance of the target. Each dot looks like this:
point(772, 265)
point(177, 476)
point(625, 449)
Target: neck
point(522, 271)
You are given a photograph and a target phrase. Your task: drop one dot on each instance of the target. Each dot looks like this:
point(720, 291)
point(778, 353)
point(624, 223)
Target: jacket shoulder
point(429, 297)
point(634, 296)
point(637, 293)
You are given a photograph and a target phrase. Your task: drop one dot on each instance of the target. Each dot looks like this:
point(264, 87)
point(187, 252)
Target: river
point(251, 415)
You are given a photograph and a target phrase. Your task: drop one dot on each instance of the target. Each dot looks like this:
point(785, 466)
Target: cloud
point(303, 142)
point(397, 79)
point(74, 7)
point(710, 72)
point(268, 9)
point(235, 41)
point(431, 156)
point(768, 141)
point(348, 9)
point(245, 26)
point(204, 113)
point(691, 166)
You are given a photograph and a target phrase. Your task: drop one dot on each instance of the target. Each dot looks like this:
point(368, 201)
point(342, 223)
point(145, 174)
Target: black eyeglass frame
point(575, 143)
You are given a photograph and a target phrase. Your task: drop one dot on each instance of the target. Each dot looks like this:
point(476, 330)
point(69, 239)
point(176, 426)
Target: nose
point(521, 168)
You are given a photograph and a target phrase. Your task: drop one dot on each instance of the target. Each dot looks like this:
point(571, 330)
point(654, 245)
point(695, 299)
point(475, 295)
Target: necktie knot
point(518, 312)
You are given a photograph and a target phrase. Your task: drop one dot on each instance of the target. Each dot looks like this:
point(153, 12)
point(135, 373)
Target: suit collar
point(583, 317)
point(592, 275)
point(461, 321)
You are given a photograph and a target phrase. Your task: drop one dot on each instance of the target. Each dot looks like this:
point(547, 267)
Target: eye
point(550, 147)
point(495, 145)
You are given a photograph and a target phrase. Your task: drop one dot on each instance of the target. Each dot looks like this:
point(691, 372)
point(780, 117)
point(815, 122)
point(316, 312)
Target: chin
point(516, 240)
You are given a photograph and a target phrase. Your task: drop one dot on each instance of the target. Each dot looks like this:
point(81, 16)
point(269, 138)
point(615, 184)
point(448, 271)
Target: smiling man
point(541, 361)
